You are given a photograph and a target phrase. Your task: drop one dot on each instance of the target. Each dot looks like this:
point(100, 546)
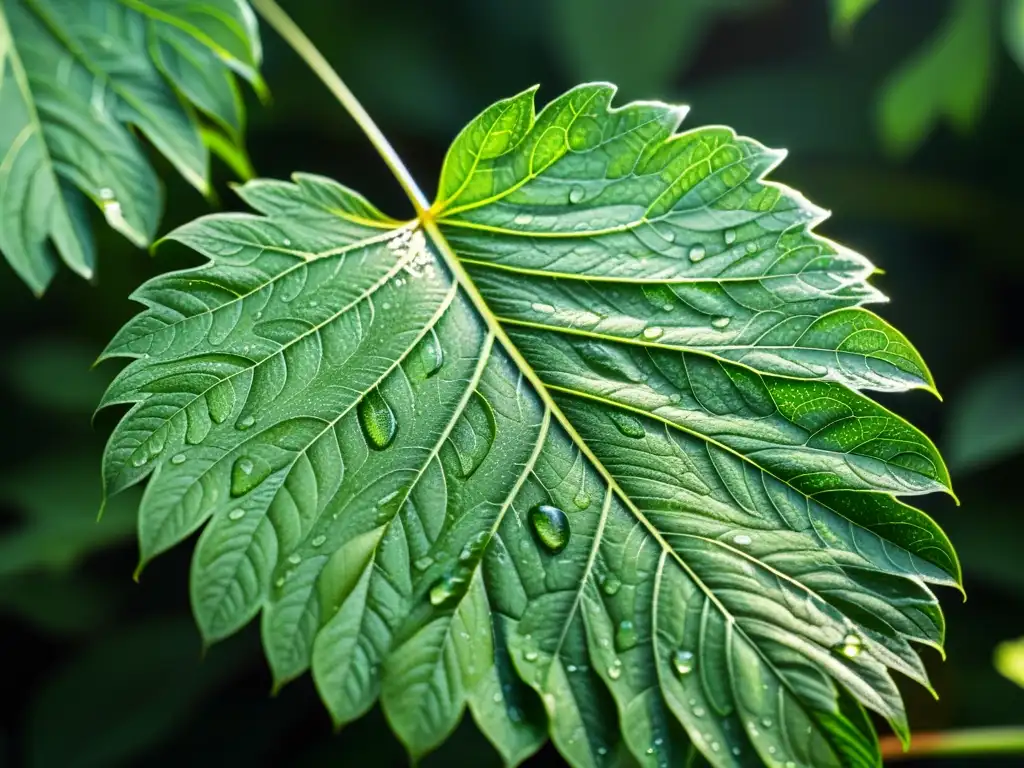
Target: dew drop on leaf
point(140, 460)
point(653, 332)
point(295, 559)
point(432, 354)
point(318, 541)
point(683, 661)
point(377, 420)
point(730, 236)
point(720, 322)
point(610, 584)
point(852, 646)
point(625, 635)
point(576, 195)
point(245, 423)
point(615, 670)
point(628, 426)
point(742, 539)
point(446, 588)
point(551, 527)
point(247, 473)
point(523, 219)
point(582, 500)
point(697, 253)
point(178, 458)
point(236, 514)
point(546, 309)
point(423, 563)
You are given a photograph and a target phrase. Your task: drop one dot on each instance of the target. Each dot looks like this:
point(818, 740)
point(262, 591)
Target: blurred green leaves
point(947, 79)
point(987, 420)
point(1009, 660)
point(606, 40)
point(77, 78)
point(846, 13)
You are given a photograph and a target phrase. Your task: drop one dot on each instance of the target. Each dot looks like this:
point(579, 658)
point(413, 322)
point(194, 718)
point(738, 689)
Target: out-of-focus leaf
point(1013, 29)
point(640, 47)
point(1009, 660)
point(58, 500)
point(846, 13)
point(60, 604)
point(78, 78)
point(56, 374)
point(122, 696)
point(948, 79)
point(987, 420)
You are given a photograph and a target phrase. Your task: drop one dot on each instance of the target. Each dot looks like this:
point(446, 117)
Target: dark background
point(96, 670)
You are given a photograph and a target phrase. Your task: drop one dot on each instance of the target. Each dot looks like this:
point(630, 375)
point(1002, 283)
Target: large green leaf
point(75, 77)
point(583, 451)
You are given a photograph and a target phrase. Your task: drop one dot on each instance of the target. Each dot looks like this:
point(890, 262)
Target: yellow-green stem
point(275, 16)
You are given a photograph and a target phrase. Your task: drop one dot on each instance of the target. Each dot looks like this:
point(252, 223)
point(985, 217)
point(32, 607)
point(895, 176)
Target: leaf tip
point(137, 573)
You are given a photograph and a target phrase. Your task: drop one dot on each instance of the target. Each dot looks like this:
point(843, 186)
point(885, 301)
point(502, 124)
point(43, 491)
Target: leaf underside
point(687, 538)
point(78, 80)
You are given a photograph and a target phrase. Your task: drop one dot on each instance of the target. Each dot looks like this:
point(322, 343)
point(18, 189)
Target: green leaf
point(75, 77)
point(846, 13)
point(949, 78)
point(982, 429)
point(584, 451)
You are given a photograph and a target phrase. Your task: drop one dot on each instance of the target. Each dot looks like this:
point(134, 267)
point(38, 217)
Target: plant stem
point(972, 742)
point(275, 16)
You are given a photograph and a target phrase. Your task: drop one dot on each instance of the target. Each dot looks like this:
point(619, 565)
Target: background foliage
point(936, 213)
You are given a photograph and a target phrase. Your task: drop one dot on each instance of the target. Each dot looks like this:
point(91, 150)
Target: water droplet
point(236, 514)
point(523, 219)
point(852, 646)
point(245, 423)
point(178, 458)
point(279, 582)
point(576, 195)
point(106, 193)
point(628, 426)
point(295, 559)
point(423, 563)
point(140, 460)
point(653, 332)
point(615, 669)
point(730, 236)
point(551, 527)
point(720, 322)
point(546, 309)
point(432, 354)
point(377, 420)
point(611, 584)
point(581, 500)
point(715, 746)
point(530, 655)
point(771, 750)
point(625, 635)
point(742, 539)
point(766, 722)
point(737, 751)
point(699, 711)
point(318, 541)
point(683, 661)
point(247, 473)
point(669, 235)
point(286, 241)
point(602, 751)
point(751, 247)
point(790, 764)
point(446, 588)
point(697, 253)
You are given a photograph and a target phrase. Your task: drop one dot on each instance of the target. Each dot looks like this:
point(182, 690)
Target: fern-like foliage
point(583, 449)
point(76, 77)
